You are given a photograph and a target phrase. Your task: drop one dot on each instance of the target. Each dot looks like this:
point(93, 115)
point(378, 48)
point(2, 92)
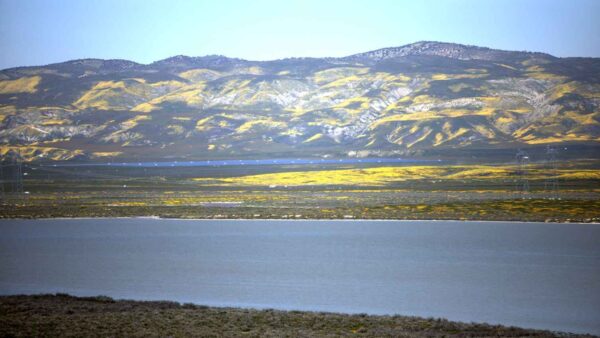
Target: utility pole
point(522, 179)
point(19, 175)
point(551, 182)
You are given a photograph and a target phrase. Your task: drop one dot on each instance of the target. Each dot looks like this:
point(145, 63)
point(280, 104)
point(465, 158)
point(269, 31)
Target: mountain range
point(422, 99)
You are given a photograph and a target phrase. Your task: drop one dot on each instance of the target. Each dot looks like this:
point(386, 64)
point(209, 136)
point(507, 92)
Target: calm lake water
point(526, 274)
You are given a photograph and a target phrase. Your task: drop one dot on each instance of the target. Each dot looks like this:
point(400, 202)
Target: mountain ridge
point(409, 100)
point(348, 57)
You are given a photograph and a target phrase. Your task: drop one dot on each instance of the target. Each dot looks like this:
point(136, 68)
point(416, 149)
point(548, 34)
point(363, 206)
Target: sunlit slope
point(382, 176)
point(398, 101)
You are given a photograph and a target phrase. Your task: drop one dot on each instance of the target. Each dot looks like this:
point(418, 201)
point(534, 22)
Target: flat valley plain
point(568, 192)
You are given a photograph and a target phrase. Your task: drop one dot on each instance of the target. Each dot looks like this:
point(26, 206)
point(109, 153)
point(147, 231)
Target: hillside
point(422, 99)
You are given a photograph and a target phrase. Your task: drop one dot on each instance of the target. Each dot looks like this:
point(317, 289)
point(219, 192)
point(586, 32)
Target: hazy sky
point(34, 32)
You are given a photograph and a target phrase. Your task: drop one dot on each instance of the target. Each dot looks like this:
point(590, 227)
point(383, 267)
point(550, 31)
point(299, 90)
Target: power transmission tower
point(522, 174)
point(2, 196)
point(551, 182)
point(12, 173)
point(18, 175)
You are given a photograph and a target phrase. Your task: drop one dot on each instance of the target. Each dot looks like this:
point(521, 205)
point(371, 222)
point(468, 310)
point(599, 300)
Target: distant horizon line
point(294, 57)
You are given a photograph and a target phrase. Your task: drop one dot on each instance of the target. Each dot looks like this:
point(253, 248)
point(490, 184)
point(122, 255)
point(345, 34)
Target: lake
point(533, 275)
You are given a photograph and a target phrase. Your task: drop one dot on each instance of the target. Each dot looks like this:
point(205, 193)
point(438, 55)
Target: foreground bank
point(62, 315)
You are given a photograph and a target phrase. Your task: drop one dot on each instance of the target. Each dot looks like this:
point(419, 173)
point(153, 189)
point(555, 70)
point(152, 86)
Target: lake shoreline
point(154, 217)
point(60, 314)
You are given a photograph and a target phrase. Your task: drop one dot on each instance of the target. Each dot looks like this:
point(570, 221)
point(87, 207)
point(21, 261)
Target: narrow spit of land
point(64, 315)
point(534, 210)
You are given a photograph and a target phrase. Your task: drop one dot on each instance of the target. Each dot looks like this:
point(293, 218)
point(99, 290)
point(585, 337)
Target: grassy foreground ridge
point(64, 315)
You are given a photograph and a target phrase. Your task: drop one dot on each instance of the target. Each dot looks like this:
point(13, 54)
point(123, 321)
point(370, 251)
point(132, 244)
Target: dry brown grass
point(63, 315)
